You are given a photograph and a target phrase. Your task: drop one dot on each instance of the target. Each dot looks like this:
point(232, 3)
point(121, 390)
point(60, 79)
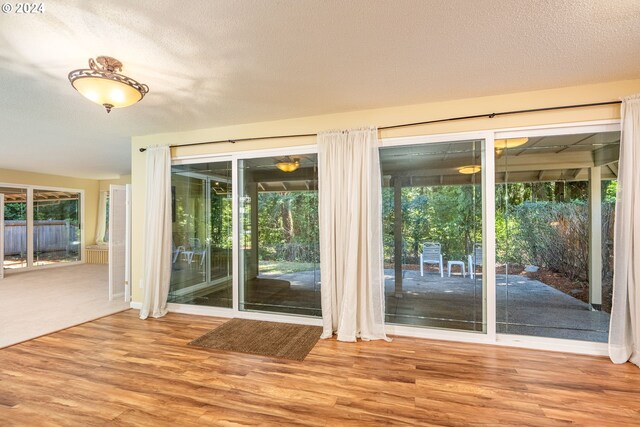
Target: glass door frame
point(30, 224)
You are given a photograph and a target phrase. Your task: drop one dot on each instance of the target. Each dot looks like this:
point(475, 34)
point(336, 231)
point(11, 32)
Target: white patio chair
point(431, 254)
point(475, 259)
point(176, 251)
point(197, 249)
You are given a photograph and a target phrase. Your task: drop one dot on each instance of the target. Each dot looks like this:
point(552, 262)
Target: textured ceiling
point(213, 63)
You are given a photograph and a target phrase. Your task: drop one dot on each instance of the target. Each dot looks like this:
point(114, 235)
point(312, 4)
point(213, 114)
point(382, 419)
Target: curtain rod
point(450, 119)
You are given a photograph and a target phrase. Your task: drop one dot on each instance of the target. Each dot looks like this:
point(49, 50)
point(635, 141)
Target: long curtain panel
point(101, 229)
point(624, 331)
point(157, 232)
point(352, 279)
point(1, 236)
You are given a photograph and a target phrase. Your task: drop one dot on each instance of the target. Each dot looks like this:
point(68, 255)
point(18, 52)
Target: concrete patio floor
point(524, 306)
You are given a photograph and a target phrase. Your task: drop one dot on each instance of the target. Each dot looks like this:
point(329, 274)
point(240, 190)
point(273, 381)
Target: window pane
point(432, 222)
point(202, 234)
point(555, 201)
point(15, 227)
point(56, 227)
point(279, 240)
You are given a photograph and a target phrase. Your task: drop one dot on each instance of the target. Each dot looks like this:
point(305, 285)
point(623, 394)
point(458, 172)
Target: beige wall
point(105, 183)
point(379, 117)
point(89, 186)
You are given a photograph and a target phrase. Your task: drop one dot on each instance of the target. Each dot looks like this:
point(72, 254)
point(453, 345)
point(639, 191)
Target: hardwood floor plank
point(121, 371)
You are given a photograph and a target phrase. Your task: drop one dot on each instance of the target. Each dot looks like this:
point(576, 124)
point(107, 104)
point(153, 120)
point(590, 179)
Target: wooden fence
point(48, 236)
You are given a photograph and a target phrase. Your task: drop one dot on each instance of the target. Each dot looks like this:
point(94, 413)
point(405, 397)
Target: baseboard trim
point(532, 343)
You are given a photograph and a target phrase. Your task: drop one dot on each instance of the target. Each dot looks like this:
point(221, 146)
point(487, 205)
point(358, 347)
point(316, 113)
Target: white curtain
point(101, 230)
point(1, 236)
point(351, 235)
point(157, 232)
point(624, 331)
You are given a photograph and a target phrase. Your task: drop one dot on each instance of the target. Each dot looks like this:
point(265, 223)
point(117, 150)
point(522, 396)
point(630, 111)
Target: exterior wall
point(379, 117)
point(90, 187)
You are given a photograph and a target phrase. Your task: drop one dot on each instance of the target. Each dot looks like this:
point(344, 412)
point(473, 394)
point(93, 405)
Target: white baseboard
point(533, 343)
point(554, 344)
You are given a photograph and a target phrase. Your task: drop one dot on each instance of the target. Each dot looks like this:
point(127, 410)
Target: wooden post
point(595, 238)
point(397, 234)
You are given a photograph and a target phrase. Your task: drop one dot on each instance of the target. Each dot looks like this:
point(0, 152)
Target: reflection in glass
point(279, 240)
point(202, 234)
point(432, 223)
point(56, 227)
point(15, 227)
point(555, 202)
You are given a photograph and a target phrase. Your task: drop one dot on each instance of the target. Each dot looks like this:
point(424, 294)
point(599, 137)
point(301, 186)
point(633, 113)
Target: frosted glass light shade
point(288, 166)
point(101, 84)
point(104, 91)
point(468, 170)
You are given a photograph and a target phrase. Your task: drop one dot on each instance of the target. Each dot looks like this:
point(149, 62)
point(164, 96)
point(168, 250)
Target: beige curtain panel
point(157, 233)
point(350, 193)
point(624, 331)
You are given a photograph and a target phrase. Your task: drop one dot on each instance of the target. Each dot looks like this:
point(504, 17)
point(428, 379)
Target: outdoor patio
point(524, 306)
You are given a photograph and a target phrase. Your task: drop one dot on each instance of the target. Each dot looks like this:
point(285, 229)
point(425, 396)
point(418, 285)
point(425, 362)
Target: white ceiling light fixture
point(288, 164)
point(101, 84)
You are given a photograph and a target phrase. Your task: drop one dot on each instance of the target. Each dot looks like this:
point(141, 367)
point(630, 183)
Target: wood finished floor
point(122, 371)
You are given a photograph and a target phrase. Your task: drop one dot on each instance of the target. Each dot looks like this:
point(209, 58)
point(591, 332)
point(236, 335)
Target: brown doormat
point(272, 339)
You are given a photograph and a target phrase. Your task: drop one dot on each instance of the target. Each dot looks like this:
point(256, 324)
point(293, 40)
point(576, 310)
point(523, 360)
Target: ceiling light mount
point(102, 84)
point(105, 64)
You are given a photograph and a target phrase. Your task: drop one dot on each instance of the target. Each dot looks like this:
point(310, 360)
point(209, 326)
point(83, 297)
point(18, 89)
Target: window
point(42, 226)
point(56, 227)
point(15, 227)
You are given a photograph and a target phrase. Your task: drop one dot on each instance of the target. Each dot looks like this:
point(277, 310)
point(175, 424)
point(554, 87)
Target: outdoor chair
point(176, 251)
point(431, 254)
point(475, 259)
point(197, 249)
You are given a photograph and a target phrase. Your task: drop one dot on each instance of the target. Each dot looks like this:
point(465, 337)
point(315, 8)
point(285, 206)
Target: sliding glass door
point(432, 224)
point(279, 239)
point(555, 207)
point(552, 215)
point(202, 234)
